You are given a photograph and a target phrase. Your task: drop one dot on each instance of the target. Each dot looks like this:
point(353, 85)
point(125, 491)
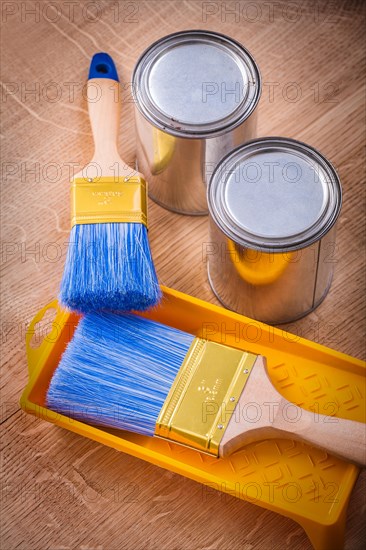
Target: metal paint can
point(195, 94)
point(273, 205)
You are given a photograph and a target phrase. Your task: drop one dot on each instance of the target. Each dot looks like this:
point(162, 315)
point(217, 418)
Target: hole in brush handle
point(102, 68)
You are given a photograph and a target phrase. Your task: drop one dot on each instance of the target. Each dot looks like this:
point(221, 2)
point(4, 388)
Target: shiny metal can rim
point(197, 131)
point(314, 234)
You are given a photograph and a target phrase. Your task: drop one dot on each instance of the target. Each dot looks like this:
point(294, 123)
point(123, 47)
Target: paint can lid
point(274, 194)
point(196, 84)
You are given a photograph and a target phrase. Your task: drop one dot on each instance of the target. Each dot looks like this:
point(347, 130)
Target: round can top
point(196, 83)
point(274, 194)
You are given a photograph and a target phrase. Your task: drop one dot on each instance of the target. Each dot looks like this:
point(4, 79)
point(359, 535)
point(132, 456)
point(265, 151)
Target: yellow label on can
point(204, 394)
point(108, 200)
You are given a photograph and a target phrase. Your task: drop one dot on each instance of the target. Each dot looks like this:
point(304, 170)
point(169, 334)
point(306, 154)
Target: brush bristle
point(117, 371)
point(109, 267)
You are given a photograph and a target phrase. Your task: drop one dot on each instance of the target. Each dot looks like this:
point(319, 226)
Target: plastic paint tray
point(291, 478)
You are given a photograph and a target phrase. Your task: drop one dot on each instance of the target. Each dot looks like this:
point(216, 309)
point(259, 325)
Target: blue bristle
point(117, 371)
point(109, 267)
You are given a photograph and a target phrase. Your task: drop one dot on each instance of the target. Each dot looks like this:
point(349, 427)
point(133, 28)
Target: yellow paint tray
point(293, 479)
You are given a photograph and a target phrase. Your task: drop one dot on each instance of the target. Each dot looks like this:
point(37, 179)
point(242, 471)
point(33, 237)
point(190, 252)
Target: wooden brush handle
point(338, 436)
point(262, 413)
point(104, 108)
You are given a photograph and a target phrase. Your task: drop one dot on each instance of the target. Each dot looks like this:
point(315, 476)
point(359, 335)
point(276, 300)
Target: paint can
point(195, 96)
point(273, 205)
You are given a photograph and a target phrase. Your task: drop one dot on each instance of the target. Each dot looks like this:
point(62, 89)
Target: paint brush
point(109, 264)
point(132, 373)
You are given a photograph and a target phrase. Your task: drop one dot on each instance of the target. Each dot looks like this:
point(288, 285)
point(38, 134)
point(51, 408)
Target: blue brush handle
point(102, 66)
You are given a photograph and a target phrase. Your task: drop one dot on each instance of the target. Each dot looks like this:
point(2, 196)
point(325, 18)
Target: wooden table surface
point(59, 490)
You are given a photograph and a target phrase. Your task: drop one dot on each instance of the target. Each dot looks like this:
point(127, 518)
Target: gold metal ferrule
point(203, 396)
point(108, 200)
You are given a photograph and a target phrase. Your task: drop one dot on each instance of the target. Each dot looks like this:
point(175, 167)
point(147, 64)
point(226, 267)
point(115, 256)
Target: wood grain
point(60, 491)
